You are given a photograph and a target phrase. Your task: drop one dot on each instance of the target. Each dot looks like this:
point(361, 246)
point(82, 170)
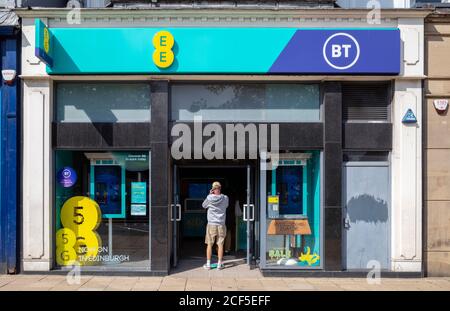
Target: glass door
point(249, 215)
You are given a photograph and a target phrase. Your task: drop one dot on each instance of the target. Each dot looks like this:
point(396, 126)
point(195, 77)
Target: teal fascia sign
point(225, 51)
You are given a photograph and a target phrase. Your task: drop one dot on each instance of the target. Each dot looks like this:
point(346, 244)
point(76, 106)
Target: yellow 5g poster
point(78, 242)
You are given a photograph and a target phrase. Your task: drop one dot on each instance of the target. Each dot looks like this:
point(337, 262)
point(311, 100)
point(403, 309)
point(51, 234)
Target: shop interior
point(195, 183)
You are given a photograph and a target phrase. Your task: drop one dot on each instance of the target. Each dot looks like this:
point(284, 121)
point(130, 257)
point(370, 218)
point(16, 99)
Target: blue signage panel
point(341, 52)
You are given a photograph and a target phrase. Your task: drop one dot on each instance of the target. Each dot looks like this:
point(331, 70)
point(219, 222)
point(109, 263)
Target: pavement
point(194, 278)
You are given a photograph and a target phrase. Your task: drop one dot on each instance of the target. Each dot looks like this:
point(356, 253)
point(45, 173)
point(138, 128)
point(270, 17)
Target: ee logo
point(163, 55)
point(46, 40)
point(341, 51)
point(78, 241)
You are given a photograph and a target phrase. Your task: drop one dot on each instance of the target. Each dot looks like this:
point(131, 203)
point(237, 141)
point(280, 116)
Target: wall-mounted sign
point(409, 117)
point(43, 42)
point(66, 177)
point(9, 75)
point(238, 50)
point(288, 227)
point(440, 104)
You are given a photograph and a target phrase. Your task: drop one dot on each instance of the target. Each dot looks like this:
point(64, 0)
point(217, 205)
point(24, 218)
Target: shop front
point(127, 122)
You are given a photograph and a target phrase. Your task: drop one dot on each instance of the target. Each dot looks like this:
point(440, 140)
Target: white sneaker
point(220, 266)
point(206, 266)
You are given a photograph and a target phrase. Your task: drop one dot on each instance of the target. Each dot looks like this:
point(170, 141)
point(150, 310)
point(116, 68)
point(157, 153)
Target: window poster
point(138, 199)
point(107, 189)
point(139, 192)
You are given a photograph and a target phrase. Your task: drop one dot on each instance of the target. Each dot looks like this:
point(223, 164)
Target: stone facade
point(437, 146)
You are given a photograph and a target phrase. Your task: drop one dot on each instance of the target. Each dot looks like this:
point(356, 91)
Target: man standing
point(216, 231)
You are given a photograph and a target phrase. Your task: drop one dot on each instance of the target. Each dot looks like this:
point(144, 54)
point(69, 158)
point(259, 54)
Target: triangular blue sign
point(409, 117)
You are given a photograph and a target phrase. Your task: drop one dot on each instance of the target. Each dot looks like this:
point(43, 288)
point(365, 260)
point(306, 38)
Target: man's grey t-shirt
point(217, 207)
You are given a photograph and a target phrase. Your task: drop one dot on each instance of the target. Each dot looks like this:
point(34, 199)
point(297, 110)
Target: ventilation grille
point(365, 102)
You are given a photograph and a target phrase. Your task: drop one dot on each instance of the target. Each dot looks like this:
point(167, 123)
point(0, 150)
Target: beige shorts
point(215, 233)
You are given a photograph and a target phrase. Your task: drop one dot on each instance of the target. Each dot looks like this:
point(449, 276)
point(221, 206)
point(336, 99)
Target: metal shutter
point(365, 102)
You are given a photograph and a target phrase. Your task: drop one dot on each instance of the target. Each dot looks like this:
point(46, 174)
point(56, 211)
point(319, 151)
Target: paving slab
point(233, 280)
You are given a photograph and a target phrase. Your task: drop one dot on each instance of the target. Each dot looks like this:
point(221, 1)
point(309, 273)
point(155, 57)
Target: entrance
point(191, 185)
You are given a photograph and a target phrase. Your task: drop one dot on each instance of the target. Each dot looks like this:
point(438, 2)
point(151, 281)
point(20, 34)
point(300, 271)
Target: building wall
point(38, 215)
point(437, 147)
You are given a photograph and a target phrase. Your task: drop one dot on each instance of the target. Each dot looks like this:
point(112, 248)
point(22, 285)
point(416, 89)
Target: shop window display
point(293, 212)
point(102, 209)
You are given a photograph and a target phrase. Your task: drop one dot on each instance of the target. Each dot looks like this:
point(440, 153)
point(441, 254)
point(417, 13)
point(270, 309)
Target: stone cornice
point(228, 14)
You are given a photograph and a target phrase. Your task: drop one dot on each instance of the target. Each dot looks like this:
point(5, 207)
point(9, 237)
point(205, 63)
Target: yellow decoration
point(163, 42)
point(80, 214)
point(78, 241)
point(46, 40)
point(308, 258)
point(65, 242)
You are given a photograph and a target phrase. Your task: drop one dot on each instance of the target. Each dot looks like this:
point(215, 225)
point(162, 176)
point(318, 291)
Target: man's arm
point(205, 203)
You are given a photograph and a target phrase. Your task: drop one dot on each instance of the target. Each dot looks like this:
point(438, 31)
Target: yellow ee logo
point(46, 40)
point(163, 55)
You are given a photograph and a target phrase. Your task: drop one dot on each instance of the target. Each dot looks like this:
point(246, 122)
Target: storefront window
point(293, 211)
point(103, 102)
point(102, 209)
point(246, 102)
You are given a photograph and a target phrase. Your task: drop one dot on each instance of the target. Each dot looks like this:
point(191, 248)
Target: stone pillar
point(332, 174)
point(37, 159)
point(406, 237)
point(159, 180)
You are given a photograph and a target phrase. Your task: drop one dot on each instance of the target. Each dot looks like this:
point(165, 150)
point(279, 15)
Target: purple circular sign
point(67, 177)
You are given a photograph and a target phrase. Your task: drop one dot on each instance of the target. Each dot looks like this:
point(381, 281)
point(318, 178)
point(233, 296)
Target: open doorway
point(194, 186)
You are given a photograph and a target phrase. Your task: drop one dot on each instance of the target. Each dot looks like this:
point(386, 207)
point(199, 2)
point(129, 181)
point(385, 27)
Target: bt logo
point(66, 173)
point(341, 51)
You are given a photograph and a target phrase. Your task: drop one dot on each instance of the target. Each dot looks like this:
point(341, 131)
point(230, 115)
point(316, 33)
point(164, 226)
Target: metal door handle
point(179, 212)
point(347, 222)
point(244, 210)
point(171, 212)
point(252, 208)
point(249, 208)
